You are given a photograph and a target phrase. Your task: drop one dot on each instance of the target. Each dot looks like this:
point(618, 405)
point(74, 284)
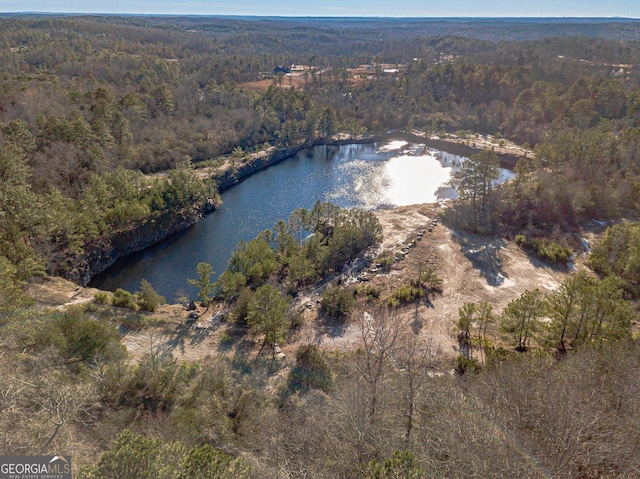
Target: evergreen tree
point(203, 283)
point(267, 314)
point(520, 318)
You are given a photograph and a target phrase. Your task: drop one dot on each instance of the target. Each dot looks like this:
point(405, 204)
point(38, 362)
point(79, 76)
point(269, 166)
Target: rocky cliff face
point(102, 253)
point(234, 175)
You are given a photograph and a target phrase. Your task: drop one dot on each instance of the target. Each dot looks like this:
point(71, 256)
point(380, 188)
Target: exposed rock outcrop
point(234, 175)
point(98, 255)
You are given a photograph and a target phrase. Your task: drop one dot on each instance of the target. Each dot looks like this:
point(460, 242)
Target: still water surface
point(366, 176)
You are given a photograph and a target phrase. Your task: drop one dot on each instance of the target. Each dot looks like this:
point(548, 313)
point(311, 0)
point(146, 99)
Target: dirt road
point(473, 269)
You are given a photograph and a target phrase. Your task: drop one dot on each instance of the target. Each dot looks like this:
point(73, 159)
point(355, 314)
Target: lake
point(368, 176)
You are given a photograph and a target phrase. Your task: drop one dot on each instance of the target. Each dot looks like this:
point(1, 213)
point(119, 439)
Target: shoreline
point(99, 255)
point(457, 146)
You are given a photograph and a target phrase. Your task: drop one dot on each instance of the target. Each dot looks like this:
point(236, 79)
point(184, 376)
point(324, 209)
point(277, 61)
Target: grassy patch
point(545, 249)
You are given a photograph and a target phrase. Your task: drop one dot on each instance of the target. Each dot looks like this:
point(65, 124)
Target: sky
point(338, 8)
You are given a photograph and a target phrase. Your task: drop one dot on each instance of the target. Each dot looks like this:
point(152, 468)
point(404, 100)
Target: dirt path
point(488, 142)
point(473, 269)
point(58, 292)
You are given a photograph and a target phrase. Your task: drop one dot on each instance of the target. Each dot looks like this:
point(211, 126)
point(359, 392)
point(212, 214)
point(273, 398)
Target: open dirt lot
point(289, 80)
point(58, 292)
point(473, 268)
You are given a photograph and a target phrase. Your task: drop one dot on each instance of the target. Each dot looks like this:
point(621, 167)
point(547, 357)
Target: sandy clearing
point(473, 268)
point(58, 292)
point(289, 80)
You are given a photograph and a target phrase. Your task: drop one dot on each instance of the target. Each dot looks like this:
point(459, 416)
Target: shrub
point(101, 297)
point(401, 464)
point(133, 321)
point(154, 383)
point(297, 319)
point(370, 292)
point(81, 337)
point(427, 278)
point(225, 338)
point(545, 249)
point(311, 370)
point(206, 461)
point(553, 252)
point(386, 260)
point(406, 294)
point(148, 298)
point(393, 302)
point(464, 365)
point(123, 299)
point(133, 455)
point(337, 302)
point(522, 241)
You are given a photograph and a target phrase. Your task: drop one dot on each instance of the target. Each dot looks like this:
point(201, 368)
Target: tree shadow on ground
point(236, 339)
point(329, 326)
point(538, 262)
point(417, 322)
point(176, 340)
point(199, 336)
point(484, 254)
point(427, 299)
point(183, 335)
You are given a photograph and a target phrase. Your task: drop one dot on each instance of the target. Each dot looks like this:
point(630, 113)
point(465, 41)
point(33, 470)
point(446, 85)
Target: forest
point(105, 125)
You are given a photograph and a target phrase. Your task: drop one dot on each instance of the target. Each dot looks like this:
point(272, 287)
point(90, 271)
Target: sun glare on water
point(415, 179)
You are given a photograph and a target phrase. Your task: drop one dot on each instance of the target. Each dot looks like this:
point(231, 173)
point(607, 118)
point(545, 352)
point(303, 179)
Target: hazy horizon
point(578, 9)
point(358, 17)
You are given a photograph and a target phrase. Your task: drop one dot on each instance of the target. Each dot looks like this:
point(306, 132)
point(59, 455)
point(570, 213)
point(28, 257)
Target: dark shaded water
point(367, 176)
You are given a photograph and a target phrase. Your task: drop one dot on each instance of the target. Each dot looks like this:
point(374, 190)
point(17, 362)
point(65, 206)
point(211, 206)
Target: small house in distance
point(281, 69)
